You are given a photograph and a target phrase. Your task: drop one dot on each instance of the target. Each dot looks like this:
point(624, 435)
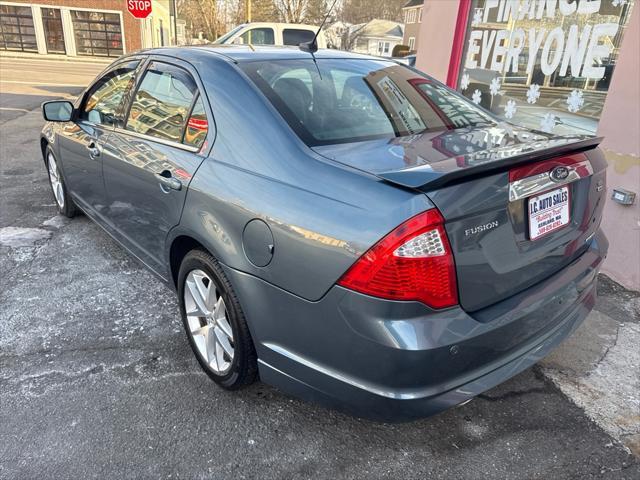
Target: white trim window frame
point(412, 43)
point(67, 24)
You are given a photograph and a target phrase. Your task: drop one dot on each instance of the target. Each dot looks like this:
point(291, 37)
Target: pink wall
point(620, 125)
point(436, 37)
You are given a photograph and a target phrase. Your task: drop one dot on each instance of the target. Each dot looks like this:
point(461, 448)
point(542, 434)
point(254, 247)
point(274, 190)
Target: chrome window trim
point(168, 143)
point(542, 182)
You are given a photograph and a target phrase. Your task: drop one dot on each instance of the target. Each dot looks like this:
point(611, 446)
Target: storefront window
point(544, 64)
point(97, 33)
point(53, 33)
point(16, 29)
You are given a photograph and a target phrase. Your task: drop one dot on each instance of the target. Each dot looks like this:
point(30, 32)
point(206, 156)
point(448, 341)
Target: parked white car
point(272, 34)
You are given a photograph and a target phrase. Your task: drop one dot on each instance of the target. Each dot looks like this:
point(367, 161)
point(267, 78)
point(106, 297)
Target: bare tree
point(291, 11)
point(263, 11)
point(362, 11)
point(315, 11)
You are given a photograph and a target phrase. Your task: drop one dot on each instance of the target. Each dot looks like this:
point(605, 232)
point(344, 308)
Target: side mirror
point(238, 41)
point(57, 111)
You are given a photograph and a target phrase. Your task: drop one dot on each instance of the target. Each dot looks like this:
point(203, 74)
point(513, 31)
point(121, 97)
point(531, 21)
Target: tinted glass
point(162, 103)
point(258, 36)
point(103, 100)
point(197, 125)
point(339, 101)
point(293, 36)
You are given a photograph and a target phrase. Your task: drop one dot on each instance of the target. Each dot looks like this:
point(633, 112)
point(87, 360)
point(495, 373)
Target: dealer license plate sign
point(548, 212)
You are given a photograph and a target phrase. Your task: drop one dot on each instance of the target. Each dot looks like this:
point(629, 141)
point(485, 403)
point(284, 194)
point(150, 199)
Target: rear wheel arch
point(180, 247)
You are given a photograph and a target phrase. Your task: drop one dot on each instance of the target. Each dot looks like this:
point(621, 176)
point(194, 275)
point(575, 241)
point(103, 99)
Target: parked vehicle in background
point(347, 227)
point(265, 33)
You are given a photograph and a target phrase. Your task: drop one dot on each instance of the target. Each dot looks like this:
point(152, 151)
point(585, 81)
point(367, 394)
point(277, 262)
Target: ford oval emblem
point(559, 174)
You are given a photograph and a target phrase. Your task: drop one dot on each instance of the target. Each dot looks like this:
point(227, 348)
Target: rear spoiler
point(465, 167)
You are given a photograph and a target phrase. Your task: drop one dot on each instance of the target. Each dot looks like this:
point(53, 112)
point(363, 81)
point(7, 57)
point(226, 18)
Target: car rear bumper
point(396, 361)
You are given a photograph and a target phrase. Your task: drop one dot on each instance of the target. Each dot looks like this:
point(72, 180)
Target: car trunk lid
point(509, 223)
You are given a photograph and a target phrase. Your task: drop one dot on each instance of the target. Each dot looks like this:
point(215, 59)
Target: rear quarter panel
point(323, 216)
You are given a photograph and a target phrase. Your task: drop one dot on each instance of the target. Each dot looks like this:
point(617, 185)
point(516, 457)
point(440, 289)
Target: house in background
point(412, 12)
point(377, 37)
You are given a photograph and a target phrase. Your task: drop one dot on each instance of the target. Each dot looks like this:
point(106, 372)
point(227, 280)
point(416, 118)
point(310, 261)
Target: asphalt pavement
point(97, 379)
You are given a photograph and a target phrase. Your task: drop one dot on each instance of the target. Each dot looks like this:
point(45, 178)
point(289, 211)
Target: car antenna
point(312, 46)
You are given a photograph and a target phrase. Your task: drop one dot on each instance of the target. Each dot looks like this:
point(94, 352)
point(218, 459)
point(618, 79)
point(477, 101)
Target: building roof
point(378, 28)
point(413, 3)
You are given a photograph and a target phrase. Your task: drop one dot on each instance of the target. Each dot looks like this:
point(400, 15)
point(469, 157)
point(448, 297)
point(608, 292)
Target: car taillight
point(413, 262)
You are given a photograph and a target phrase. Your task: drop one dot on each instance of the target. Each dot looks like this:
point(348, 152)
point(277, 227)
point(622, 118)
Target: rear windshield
point(337, 100)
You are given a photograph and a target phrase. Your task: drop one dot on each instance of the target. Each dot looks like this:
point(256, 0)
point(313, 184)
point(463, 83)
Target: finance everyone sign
point(563, 48)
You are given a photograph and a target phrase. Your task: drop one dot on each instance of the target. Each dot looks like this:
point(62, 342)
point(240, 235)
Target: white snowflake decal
point(548, 122)
point(575, 101)
point(464, 82)
point(477, 17)
point(476, 97)
point(494, 88)
point(510, 109)
point(533, 94)
point(618, 3)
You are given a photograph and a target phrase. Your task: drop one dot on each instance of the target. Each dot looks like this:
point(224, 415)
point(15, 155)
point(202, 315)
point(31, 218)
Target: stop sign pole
point(139, 8)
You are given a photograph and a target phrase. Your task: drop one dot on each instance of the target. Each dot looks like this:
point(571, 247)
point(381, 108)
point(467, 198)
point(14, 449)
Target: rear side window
point(294, 36)
point(101, 105)
point(258, 36)
point(197, 125)
point(162, 104)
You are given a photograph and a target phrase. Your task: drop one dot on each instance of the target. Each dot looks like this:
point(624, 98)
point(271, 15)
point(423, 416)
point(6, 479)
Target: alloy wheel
point(207, 319)
point(56, 182)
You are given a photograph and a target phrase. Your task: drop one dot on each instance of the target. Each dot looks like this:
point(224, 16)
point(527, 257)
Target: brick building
point(82, 28)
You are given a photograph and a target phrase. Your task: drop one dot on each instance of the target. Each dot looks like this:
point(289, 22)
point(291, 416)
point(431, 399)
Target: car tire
point(204, 322)
point(61, 196)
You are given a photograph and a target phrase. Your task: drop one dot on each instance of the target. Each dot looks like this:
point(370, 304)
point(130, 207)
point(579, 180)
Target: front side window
point(336, 100)
point(102, 103)
point(293, 36)
point(162, 103)
point(258, 36)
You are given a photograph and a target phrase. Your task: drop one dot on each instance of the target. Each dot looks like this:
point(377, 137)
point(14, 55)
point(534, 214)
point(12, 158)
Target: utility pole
point(248, 10)
point(174, 7)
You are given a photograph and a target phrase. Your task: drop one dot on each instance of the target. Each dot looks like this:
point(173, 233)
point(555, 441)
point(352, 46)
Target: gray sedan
point(346, 228)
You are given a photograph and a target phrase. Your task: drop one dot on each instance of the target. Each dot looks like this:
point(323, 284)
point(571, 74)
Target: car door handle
point(168, 181)
point(94, 150)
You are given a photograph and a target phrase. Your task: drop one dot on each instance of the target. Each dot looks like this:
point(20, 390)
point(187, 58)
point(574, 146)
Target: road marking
point(51, 84)
point(15, 109)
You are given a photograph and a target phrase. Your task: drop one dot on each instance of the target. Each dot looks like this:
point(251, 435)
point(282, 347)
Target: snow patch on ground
point(610, 392)
point(22, 237)
point(58, 221)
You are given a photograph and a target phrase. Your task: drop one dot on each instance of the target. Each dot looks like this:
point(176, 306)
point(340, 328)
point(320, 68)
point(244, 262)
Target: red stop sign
point(139, 8)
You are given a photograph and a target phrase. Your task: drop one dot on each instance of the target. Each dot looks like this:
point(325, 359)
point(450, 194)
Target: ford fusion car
point(343, 227)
